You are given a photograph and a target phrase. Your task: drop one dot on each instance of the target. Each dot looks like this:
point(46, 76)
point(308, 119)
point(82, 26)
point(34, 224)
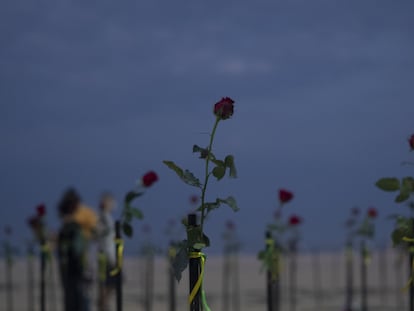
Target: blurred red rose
point(411, 142)
point(230, 225)
point(41, 210)
point(194, 199)
point(7, 230)
point(285, 196)
point(355, 211)
point(149, 178)
point(295, 220)
point(224, 108)
point(372, 212)
point(34, 222)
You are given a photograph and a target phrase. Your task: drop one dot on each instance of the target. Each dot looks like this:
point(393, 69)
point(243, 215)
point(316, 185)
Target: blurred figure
point(72, 246)
point(106, 249)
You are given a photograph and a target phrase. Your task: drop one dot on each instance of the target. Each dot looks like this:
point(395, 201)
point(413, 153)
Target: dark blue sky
point(95, 93)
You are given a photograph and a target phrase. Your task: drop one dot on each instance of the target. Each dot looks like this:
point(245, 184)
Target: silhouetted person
point(72, 252)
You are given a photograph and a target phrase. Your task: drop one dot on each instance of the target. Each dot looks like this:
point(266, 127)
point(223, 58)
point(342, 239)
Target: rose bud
point(41, 210)
point(224, 108)
point(411, 142)
point(194, 199)
point(294, 220)
point(372, 212)
point(355, 211)
point(285, 196)
point(149, 178)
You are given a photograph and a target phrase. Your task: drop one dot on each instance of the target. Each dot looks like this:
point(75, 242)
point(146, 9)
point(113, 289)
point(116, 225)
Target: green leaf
point(403, 196)
point(136, 213)
point(218, 162)
point(127, 229)
point(132, 195)
point(185, 175)
point(397, 236)
point(229, 162)
point(127, 214)
point(190, 179)
point(180, 261)
point(203, 151)
point(230, 201)
point(407, 187)
point(196, 239)
point(388, 184)
point(209, 206)
point(219, 172)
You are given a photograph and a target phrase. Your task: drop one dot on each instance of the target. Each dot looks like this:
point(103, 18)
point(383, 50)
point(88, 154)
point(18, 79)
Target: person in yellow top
point(87, 218)
point(79, 224)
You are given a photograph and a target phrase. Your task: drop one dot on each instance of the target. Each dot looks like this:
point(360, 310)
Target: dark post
point(171, 279)
point(411, 258)
point(317, 281)
point(9, 278)
point(52, 287)
point(118, 250)
point(30, 279)
point(236, 282)
point(272, 280)
point(349, 276)
point(292, 276)
point(383, 274)
point(149, 278)
point(194, 268)
point(364, 263)
point(226, 280)
point(43, 259)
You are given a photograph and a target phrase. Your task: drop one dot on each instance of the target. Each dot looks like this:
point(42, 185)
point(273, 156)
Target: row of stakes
point(273, 290)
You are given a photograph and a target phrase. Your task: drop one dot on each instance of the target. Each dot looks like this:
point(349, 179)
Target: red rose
point(149, 178)
point(224, 108)
point(294, 220)
point(411, 142)
point(285, 196)
point(372, 212)
point(41, 210)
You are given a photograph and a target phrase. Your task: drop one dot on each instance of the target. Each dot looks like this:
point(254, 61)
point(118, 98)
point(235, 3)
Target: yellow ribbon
point(172, 252)
point(276, 265)
point(120, 251)
point(45, 249)
point(410, 281)
point(366, 256)
point(198, 285)
point(102, 266)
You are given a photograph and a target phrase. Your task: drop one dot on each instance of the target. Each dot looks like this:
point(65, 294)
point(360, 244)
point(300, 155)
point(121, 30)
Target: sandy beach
point(320, 284)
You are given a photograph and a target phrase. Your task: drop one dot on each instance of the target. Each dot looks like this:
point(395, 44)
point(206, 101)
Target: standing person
point(72, 248)
point(106, 249)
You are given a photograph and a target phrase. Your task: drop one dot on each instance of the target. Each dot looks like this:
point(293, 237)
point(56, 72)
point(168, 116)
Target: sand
point(320, 284)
